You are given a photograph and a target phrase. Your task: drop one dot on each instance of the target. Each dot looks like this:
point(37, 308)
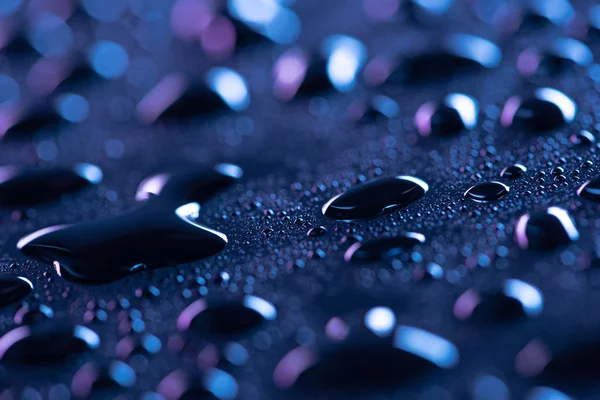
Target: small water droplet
point(514, 300)
point(513, 172)
point(546, 230)
point(547, 109)
point(374, 198)
point(487, 191)
point(30, 344)
point(28, 186)
point(13, 288)
point(226, 317)
point(456, 113)
point(383, 248)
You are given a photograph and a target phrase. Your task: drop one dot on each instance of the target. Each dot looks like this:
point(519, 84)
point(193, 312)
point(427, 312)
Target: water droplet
point(374, 198)
point(385, 248)
point(226, 317)
point(378, 107)
point(563, 53)
point(514, 300)
point(456, 113)
point(459, 53)
point(213, 383)
point(28, 186)
point(28, 121)
point(547, 393)
point(173, 97)
point(572, 367)
point(487, 191)
point(30, 314)
point(546, 230)
point(365, 361)
point(92, 378)
point(514, 171)
point(30, 344)
point(13, 288)
point(590, 189)
point(316, 231)
point(163, 230)
point(269, 18)
point(558, 12)
point(547, 109)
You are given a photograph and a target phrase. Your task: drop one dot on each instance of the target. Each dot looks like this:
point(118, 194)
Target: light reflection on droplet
point(268, 18)
point(230, 86)
point(261, 306)
point(426, 345)
point(531, 298)
point(345, 58)
point(565, 104)
point(475, 48)
point(288, 73)
point(380, 320)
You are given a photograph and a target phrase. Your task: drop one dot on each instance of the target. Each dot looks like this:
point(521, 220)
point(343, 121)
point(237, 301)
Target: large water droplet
point(29, 186)
point(547, 109)
point(546, 230)
point(456, 113)
point(383, 248)
point(163, 230)
point(226, 317)
point(487, 191)
point(375, 198)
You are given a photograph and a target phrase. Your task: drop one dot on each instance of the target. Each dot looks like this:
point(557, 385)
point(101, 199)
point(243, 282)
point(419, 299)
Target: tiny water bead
point(375, 198)
point(226, 317)
point(385, 358)
point(28, 186)
point(514, 171)
point(487, 191)
point(546, 230)
point(457, 112)
point(383, 249)
point(590, 189)
point(546, 110)
point(13, 289)
point(514, 300)
point(163, 230)
point(46, 342)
